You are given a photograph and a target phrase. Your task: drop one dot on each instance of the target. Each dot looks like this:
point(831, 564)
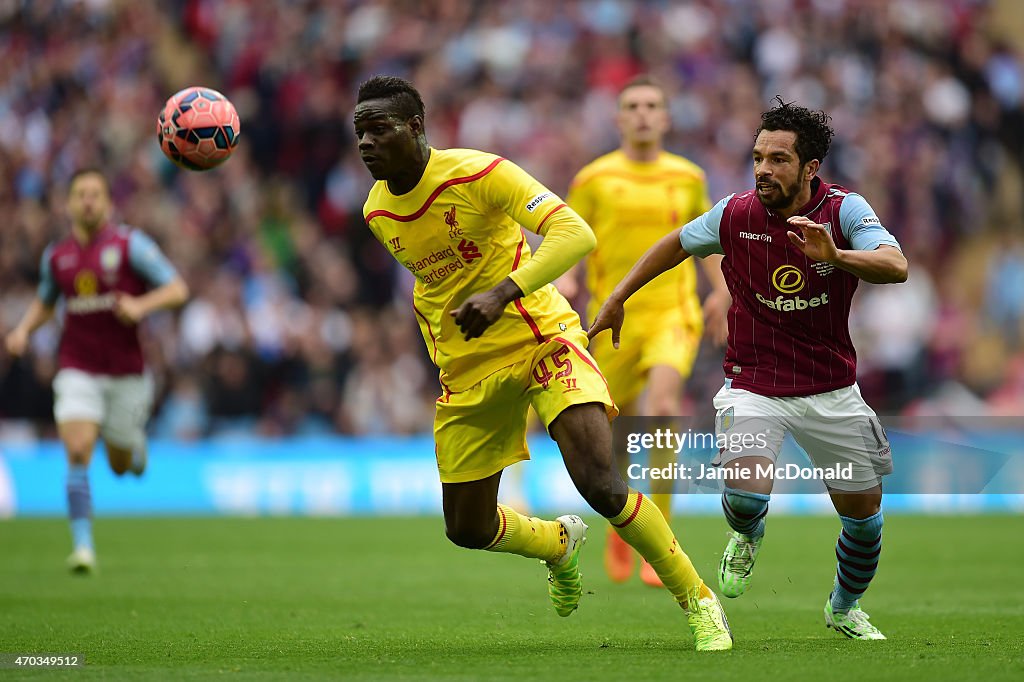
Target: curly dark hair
point(813, 132)
point(405, 99)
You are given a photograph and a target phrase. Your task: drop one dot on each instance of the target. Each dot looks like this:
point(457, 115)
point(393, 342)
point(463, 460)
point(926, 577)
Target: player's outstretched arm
point(882, 265)
point(38, 314)
point(666, 254)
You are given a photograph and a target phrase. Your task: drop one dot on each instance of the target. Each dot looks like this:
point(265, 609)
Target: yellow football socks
point(528, 536)
point(663, 501)
point(643, 526)
point(661, 489)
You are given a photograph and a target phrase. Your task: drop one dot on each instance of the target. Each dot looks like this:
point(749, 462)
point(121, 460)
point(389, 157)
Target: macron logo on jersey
point(532, 205)
point(756, 236)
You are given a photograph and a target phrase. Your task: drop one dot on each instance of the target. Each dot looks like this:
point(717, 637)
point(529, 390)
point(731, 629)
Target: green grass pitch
point(370, 599)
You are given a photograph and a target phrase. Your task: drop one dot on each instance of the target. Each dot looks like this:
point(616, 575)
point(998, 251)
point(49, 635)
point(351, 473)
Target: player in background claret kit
point(631, 198)
point(111, 277)
point(505, 339)
point(795, 248)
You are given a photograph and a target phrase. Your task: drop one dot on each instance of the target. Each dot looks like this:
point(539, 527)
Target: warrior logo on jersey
point(396, 244)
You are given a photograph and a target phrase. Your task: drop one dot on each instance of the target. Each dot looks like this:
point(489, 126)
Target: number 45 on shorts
point(561, 371)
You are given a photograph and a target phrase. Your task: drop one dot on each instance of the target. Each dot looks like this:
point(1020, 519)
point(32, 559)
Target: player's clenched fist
point(480, 311)
point(129, 309)
point(477, 313)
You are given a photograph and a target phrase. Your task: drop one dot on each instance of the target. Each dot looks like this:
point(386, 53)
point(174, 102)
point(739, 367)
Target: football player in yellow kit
point(504, 339)
point(631, 198)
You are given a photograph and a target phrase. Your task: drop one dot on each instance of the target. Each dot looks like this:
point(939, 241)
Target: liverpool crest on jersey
point(452, 222)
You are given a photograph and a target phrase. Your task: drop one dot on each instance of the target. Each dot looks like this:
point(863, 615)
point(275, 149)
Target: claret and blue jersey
point(789, 320)
point(118, 260)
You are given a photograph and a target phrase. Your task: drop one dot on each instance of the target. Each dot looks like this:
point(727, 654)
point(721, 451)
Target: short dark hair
point(813, 132)
point(89, 170)
point(405, 99)
point(644, 79)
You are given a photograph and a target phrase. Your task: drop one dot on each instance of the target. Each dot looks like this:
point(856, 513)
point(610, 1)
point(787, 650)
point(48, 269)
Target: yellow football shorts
point(647, 340)
point(480, 431)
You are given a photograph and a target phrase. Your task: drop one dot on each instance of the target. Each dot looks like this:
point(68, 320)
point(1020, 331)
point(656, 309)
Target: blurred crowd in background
point(300, 322)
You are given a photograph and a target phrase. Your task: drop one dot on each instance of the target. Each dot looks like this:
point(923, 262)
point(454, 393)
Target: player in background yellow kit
point(505, 339)
point(631, 198)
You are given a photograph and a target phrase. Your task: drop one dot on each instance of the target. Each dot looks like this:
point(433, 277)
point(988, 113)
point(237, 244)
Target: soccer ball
point(198, 128)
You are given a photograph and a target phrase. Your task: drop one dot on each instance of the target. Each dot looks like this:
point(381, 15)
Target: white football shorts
point(121, 405)
point(836, 428)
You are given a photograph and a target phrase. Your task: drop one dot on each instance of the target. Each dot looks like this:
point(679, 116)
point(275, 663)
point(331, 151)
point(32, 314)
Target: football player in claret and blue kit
point(110, 277)
point(795, 248)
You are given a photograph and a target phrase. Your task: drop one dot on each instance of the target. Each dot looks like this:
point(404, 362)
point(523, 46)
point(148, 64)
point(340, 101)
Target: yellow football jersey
point(630, 205)
point(458, 231)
